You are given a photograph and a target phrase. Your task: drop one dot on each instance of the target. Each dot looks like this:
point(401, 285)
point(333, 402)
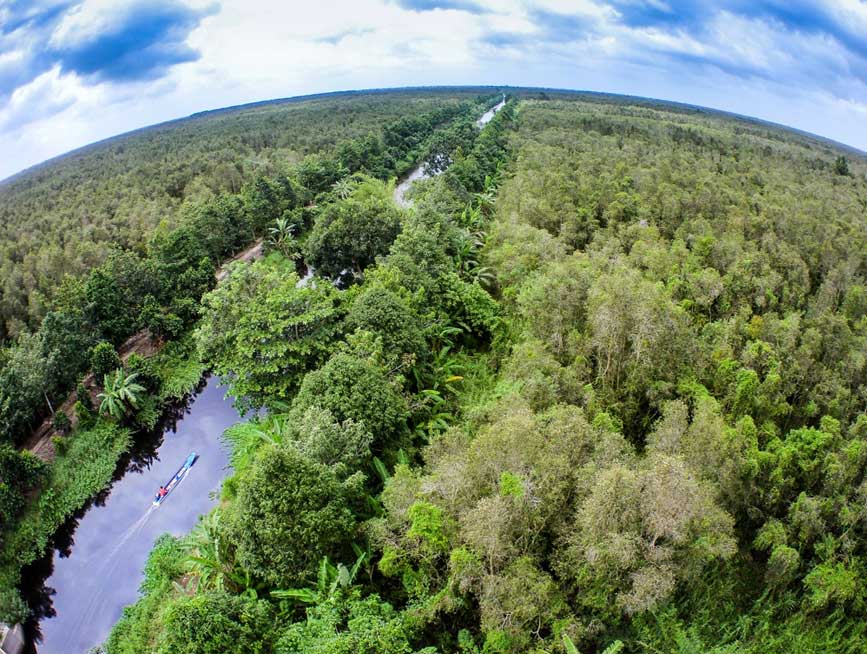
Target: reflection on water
point(78, 591)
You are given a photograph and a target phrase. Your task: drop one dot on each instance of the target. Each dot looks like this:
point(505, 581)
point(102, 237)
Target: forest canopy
point(602, 387)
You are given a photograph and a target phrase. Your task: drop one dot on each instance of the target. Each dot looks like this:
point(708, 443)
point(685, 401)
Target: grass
point(179, 369)
point(83, 471)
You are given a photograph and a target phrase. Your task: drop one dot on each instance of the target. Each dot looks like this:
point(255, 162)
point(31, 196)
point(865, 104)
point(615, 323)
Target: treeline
point(66, 216)
point(356, 381)
point(161, 290)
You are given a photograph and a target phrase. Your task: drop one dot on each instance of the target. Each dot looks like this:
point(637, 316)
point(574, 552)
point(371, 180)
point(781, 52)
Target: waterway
point(94, 567)
point(420, 171)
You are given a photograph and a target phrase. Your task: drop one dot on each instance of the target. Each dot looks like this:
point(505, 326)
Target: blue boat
point(176, 479)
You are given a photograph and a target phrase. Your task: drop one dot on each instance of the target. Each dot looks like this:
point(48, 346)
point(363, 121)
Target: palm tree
point(120, 392)
point(281, 236)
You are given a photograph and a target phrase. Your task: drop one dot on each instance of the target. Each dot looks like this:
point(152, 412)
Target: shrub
point(103, 360)
point(61, 423)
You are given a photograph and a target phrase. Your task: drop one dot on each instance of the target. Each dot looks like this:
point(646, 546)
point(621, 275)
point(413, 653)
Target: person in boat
point(162, 492)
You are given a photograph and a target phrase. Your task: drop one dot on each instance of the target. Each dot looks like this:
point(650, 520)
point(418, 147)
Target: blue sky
point(75, 71)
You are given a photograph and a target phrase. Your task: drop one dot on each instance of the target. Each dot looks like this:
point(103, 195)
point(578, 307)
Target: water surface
point(94, 568)
point(420, 171)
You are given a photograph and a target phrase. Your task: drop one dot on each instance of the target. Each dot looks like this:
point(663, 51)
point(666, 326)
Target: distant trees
point(841, 166)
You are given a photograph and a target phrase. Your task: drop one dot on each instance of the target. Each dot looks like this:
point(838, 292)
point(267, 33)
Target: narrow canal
point(420, 171)
point(78, 590)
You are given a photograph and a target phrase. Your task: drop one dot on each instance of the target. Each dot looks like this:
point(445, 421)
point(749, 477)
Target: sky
point(77, 71)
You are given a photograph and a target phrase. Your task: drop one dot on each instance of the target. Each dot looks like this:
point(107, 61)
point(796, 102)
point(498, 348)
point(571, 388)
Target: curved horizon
point(845, 147)
point(75, 72)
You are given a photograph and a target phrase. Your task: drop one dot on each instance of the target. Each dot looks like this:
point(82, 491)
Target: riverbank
point(143, 344)
point(96, 559)
point(84, 466)
point(420, 171)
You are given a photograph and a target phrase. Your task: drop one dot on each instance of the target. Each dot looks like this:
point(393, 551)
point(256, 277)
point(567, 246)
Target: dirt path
point(252, 253)
point(142, 343)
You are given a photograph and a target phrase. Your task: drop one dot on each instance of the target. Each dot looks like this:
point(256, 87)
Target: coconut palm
point(120, 392)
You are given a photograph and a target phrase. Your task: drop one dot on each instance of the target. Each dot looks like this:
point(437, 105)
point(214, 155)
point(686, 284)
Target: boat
point(176, 479)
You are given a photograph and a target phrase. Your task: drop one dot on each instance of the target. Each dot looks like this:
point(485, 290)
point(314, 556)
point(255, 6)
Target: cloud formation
point(99, 40)
point(73, 71)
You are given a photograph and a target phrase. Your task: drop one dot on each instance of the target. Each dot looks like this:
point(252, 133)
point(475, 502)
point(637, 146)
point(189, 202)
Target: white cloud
point(258, 50)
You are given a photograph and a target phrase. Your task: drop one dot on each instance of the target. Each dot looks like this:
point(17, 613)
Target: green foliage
point(355, 389)
point(135, 630)
point(13, 609)
point(22, 383)
point(261, 332)
point(120, 393)
point(61, 423)
point(351, 626)
point(351, 232)
point(385, 314)
point(85, 469)
point(214, 623)
point(20, 472)
point(104, 360)
point(288, 498)
point(638, 372)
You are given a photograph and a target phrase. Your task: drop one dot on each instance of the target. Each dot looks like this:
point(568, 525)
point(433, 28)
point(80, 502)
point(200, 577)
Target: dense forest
point(68, 215)
point(601, 388)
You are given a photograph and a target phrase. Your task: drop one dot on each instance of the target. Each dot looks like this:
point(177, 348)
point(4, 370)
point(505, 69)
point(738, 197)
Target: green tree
point(388, 316)
point(160, 322)
point(355, 389)
point(120, 394)
point(20, 472)
point(286, 498)
point(66, 342)
point(215, 623)
point(350, 626)
point(103, 360)
point(108, 306)
point(349, 234)
point(261, 332)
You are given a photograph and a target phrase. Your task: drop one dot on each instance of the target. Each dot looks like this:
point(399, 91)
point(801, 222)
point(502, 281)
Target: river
point(419, 171)
point(78, 590)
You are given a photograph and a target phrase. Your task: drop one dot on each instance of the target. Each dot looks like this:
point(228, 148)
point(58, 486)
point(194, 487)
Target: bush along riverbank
point(161, 293)
point(356, 381)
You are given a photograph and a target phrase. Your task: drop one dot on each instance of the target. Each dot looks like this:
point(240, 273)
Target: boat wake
point(126, 536)
point(109, 564)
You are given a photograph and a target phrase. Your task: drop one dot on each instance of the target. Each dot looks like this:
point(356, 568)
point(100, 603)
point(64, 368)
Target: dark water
point(77, 592)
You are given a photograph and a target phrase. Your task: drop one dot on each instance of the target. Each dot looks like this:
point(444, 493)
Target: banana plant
point(281, 236)
point(330, 579)
point(120, 392)
point(208, 562)
point(245, 438)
